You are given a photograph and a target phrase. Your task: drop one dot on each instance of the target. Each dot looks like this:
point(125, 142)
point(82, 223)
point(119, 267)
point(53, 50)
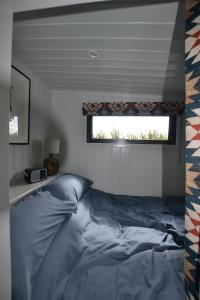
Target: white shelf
point(21, 190)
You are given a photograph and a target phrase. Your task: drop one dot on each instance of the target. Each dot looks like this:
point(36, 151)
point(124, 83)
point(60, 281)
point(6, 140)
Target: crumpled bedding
point(115, 248)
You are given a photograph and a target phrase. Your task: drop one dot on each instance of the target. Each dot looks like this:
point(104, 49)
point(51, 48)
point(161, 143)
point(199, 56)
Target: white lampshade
point(52, 146)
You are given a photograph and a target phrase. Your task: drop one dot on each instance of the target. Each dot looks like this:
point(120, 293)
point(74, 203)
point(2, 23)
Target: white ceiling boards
point(133, 42)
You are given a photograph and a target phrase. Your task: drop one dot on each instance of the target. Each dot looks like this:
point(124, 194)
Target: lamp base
point(52, 165)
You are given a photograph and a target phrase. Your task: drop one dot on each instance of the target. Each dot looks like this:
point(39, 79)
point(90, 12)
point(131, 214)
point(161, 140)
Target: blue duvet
point(114, 248)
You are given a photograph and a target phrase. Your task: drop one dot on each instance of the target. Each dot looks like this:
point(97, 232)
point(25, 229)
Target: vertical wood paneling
point(124, 170)
point(107, 152)
point(124, 167)
point(24, 156)
point(174, 163)
point(17, 159)
point(83, 161)
point(11, 161)
point(5, 61)
point(115, 169)
point(91, 160)
point(99, 166)
point(132, 174)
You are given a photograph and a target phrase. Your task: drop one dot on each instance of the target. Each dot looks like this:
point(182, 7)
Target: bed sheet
point(115, 248)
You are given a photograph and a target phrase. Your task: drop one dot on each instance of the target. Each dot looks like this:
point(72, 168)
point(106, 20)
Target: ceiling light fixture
point(93, 53)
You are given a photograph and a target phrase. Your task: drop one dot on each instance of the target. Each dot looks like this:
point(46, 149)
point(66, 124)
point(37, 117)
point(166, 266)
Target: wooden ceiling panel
point(104, 68)
point(98, 30)
point(113, 77)
point(119, 72)
point(133, 43)
point(110, 12)
point(94, 43)
point(114, 54)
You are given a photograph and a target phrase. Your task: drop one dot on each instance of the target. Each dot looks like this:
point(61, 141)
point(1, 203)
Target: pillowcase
point(69, 187)
point(34, 224)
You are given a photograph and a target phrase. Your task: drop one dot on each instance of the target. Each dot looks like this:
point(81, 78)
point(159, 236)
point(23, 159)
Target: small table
point(22, 189)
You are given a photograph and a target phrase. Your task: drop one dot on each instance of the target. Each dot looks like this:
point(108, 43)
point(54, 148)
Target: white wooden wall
point(5, 60)
point(174, 163)
point(24, 156)
point(132, 169)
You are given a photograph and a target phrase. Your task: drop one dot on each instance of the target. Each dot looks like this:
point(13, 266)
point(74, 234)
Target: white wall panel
point(124, 170)
point(5, 60)
point(174, 163)
point(24, 156)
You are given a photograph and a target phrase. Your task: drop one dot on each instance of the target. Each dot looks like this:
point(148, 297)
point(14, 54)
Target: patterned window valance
point(132, 108)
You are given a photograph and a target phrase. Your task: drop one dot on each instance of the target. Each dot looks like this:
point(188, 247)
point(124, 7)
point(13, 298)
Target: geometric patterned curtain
point(192, 110)
point(133, 108)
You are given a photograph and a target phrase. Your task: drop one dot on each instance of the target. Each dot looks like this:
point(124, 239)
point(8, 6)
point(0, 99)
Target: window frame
point(171, 136)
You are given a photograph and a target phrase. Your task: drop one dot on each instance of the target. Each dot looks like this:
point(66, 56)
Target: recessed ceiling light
point(93, 53)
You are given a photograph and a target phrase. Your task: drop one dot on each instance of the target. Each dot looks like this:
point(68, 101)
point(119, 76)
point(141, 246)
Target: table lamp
point(51, 163)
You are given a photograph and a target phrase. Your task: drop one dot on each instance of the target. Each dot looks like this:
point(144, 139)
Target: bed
point(72, 242)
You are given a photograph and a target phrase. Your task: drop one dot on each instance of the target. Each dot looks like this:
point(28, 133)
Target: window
point(131, 129)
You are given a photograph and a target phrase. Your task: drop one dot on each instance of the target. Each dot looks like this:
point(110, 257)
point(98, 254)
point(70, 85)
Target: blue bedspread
point(115, 248)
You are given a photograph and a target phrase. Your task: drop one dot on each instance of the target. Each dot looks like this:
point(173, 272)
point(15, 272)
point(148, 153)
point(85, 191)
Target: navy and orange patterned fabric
point(192, 217)
point(133, 108)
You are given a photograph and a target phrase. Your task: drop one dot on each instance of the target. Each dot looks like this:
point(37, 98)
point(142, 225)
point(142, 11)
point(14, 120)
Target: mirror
point(19, 107)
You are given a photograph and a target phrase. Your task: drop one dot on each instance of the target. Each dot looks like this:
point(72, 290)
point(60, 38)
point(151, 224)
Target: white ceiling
point(134, 43)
